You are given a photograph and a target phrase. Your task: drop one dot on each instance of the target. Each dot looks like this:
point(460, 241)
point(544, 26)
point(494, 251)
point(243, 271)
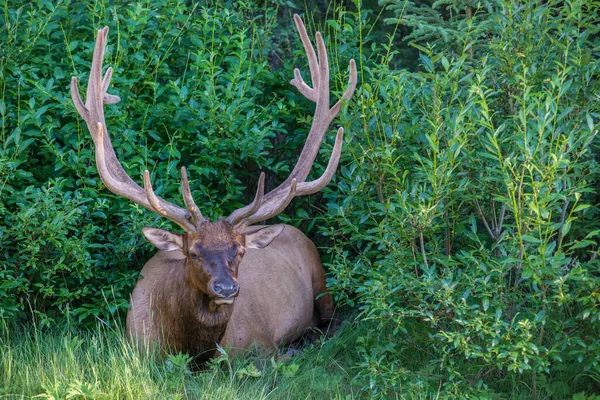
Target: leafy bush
point(463, 224)
point(465, 220)
point(196, 89)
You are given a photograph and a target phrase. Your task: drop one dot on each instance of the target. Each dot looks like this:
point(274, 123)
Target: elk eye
point(232, 253)
point(195, 257)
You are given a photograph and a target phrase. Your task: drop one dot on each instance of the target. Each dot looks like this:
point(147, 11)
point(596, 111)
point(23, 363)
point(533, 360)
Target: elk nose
point(225, 289)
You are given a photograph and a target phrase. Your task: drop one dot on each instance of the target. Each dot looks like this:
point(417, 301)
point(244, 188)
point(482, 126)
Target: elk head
point(213, 254)
point(214, 250)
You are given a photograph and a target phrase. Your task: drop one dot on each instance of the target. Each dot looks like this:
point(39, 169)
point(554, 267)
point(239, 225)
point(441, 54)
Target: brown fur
point(278, 285)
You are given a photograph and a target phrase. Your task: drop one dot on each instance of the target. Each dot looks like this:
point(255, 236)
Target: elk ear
point(260, 237)
point(163, 240)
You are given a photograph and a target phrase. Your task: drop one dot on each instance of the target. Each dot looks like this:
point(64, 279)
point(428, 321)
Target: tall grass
point(64, 363)
point(101, 363)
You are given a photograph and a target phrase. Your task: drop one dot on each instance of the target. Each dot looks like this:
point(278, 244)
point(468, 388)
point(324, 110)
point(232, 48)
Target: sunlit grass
point(102, 363)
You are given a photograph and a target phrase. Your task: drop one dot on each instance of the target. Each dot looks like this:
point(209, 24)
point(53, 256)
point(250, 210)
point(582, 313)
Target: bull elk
point(226, 282)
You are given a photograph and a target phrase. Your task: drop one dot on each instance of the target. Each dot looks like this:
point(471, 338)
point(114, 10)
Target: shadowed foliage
point(462, 222)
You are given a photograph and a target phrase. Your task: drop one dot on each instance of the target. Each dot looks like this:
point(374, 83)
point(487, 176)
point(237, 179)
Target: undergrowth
point(462, 223)
point(101, 363)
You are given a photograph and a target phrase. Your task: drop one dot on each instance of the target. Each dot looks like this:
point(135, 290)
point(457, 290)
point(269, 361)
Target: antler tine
point(79, 106)
point(152, 199)
point(272, 208)
point(323, 85)
point(108, 98)
point(110, 169)
point(302, 87)
point(352, 80)
point(238, 215)
point(197, 218)
point(275, 201)
point(95, 94)
point(305, 188)
point(310, 52)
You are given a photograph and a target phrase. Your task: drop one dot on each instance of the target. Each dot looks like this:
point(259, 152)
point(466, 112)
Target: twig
point(423, 249)
point(499, 227)
point(484, 220)
point(563, 215)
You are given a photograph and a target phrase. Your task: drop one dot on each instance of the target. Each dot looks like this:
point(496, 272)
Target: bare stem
point(499, 227)
point(563, 215)
point(423, 249)
point(480, 211)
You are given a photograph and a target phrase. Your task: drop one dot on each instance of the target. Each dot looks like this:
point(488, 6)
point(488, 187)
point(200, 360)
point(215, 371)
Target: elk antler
point(112, 173)
point(276, 201)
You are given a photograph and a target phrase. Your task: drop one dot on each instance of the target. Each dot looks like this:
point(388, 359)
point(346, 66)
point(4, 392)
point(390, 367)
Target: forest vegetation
point(460, 234)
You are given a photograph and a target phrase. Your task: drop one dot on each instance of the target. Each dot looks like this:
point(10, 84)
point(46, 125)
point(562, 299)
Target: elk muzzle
point(223, 290)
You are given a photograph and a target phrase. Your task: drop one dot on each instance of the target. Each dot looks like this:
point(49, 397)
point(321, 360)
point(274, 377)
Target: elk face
point(213, 254)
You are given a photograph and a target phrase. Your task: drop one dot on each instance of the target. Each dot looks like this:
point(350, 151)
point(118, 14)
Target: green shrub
point(196, 89)
point(465, 220)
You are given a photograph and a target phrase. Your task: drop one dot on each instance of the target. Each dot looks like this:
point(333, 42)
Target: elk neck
point(205, 326)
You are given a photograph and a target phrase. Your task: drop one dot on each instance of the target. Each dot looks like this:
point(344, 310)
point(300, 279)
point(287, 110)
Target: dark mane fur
point(193, 327)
